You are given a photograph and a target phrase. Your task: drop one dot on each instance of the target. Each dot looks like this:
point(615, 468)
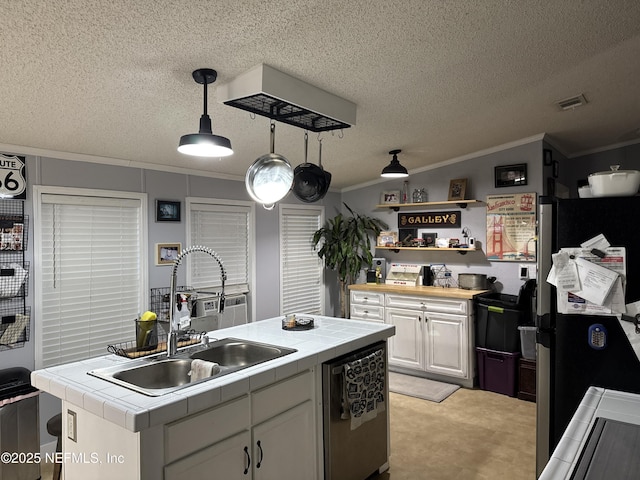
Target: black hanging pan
point(309, 180)
point(327, 175)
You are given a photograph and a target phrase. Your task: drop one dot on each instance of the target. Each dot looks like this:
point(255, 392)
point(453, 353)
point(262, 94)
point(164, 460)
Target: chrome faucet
point(172, 339)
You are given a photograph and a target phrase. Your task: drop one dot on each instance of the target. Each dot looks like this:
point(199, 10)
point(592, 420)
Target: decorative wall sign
point(449, 219)
point(13, 178)
point(167, 211)
point(511, 227)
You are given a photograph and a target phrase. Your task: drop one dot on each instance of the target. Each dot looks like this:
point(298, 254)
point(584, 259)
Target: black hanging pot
point(309, 181)
point(327, 175)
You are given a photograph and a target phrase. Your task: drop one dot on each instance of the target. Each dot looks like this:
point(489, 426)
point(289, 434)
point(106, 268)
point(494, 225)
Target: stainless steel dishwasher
point(352, 454)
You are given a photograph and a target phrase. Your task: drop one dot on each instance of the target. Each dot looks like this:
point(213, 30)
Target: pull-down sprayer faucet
point(172, 339)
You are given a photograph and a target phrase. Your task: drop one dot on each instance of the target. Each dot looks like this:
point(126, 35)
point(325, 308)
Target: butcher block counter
point(435, 332)
point(458, 293)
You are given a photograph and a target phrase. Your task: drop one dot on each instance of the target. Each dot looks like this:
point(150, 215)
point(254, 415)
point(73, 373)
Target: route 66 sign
point(13, 183)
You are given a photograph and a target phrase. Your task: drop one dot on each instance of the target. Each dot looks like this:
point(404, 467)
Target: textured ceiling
point(437, 79)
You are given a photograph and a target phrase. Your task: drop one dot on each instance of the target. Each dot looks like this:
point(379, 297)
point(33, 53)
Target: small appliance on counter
point(404, 274)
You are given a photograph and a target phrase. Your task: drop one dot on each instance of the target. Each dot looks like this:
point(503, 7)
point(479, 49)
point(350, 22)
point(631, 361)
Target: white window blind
point(302, 286)
point(91, 275)
point(226, 229)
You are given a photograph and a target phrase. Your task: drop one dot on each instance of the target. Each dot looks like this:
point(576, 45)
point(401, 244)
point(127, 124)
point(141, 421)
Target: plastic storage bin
point(497, 371)
point(498, 317)
point(528, 342)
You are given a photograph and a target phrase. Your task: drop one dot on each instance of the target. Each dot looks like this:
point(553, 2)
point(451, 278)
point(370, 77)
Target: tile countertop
point(330, 338)
point(597, 402)
point(458, 293)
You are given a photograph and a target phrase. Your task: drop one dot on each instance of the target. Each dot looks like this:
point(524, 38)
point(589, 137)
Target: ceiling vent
point(573, 102)
point(265, 91)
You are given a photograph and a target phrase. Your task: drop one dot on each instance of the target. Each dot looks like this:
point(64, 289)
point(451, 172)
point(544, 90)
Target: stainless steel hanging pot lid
point(270, 177)
point(308, 179)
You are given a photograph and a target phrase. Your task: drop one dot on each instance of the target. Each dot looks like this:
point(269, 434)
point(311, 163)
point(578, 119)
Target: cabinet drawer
point(367, 312)
point(203, 429)
point(282, 396)
point(429, 304)
point(367, 298)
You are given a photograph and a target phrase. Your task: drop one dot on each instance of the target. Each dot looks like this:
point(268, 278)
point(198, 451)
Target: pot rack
point(265, 91)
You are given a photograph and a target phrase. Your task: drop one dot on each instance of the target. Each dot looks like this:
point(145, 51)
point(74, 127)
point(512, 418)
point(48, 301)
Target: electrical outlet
point(72, 425)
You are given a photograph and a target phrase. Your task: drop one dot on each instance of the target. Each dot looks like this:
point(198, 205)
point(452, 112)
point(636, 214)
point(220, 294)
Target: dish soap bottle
point(181, 318)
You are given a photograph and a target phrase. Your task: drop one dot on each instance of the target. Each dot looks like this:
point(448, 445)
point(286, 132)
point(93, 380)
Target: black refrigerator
point(567, 364)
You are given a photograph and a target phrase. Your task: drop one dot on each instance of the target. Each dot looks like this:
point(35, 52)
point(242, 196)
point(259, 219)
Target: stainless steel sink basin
point(240, 353)
point(159, 375)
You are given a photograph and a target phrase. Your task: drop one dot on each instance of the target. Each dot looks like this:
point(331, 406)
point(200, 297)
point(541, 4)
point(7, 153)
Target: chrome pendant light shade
point(394, 169)
point(205, 143)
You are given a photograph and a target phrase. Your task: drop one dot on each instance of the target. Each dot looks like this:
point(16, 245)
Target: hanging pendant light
point(394, 169)
point(205, 143)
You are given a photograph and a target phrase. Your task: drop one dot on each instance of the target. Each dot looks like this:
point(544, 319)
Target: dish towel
point(364, 388)
point(201, 369)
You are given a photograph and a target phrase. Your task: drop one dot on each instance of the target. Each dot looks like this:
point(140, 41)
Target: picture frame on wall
point(511, 175)
point(457, 189)
point(167, 253)
point(390, 197)
point(167, 211)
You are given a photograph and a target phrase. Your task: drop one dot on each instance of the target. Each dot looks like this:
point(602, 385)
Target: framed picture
point(547, 156)
point(390, 197)
point(511, 175)
point(457, 189)
point(387, 239)
point(167, 211)
point(167, 253)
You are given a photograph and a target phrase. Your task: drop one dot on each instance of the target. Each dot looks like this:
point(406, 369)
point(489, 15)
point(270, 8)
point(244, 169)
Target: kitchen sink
point(240, 353)
point(159, 375)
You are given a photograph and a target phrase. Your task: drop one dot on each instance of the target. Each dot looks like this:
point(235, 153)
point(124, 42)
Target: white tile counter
point(597, 402)
point(330, 338)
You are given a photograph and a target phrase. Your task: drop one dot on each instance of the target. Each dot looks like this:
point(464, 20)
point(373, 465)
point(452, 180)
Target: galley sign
point(429, 219)
point(13, 182)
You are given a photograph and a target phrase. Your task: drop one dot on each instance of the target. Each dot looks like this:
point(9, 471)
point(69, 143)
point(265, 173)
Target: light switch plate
point(72, 425)
point(523, 272)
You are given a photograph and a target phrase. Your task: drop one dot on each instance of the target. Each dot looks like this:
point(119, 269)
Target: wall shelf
point(460, 203)
point(461, 251)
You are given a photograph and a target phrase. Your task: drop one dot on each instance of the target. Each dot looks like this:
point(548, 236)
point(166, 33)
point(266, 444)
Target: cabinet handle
point(261, 455)
point(246, 452)
point(366, 312)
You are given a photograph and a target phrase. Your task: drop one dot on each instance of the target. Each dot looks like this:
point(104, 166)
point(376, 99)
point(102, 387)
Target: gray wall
point(479, 172)
point(166, 186)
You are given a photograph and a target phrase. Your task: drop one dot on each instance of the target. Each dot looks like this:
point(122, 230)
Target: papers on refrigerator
point(599, 289)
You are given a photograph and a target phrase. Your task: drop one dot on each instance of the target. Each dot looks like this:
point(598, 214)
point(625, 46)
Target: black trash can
point(498, 317)
point(19, 426)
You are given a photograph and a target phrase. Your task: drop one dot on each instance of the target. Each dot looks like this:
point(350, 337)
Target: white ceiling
point(438, 79)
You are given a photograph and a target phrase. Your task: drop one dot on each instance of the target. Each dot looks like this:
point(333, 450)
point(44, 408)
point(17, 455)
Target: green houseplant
point(346, 247)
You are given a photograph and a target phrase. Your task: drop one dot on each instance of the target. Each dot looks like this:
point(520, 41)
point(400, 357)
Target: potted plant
point(346, 247)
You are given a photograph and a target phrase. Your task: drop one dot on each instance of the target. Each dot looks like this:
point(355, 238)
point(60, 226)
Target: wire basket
point(130, 349)
point(160, 301)
point(15, 326)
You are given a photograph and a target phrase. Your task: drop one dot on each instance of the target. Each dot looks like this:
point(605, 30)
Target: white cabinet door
point(406, 346)
point(229, 459)
point(446, 344)
point(284, 446)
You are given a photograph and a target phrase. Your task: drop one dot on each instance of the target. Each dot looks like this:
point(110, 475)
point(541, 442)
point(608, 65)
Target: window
point(226, 228)
point(91, 271)
point(302, 285)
